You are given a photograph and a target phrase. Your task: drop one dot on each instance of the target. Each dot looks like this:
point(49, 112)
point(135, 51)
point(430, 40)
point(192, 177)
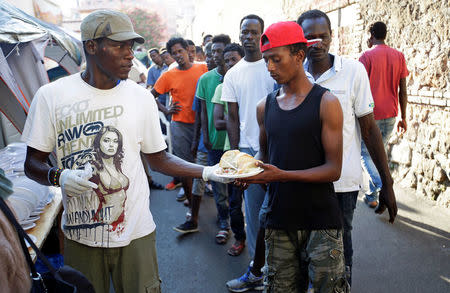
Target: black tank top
point(294, 143)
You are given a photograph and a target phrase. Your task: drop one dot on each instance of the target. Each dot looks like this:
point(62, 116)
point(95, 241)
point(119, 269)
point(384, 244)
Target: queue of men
point(279, 96)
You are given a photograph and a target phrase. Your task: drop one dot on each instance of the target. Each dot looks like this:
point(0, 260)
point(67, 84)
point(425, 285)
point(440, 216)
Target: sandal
point(222, 237)
point(236, 249)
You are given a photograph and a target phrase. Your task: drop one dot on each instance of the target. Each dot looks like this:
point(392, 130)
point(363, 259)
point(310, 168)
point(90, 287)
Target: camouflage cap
point(109, 24)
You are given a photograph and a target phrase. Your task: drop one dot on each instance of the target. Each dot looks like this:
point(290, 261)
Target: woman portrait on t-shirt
point(107, 174)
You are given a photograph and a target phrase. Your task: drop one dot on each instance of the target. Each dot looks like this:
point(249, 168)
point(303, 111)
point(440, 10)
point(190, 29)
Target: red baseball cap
point(284, 33)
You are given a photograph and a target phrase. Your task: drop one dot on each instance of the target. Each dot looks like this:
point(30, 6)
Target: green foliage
point(149, 25)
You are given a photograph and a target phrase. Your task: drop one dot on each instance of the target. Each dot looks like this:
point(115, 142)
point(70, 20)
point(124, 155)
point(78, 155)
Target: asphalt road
point(412, 255)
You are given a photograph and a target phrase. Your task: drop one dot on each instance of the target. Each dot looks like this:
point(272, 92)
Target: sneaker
point(156, 185)
point(181, 196)
point(370, 201)
point(246, 282)
point(186, 227)
point(172, 185)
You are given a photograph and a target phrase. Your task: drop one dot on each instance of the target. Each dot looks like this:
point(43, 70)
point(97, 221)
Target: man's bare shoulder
point(328, 97)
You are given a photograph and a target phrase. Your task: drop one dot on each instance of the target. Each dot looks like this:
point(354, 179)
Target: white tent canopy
point(24, 42)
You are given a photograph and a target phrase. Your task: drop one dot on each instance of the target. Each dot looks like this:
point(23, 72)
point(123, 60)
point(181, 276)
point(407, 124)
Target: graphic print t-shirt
point(107, 129)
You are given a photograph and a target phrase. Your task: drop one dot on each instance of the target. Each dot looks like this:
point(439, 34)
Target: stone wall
point(420, 29)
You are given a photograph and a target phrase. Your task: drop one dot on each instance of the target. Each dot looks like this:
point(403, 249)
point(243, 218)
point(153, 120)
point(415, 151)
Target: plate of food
point(235, 164)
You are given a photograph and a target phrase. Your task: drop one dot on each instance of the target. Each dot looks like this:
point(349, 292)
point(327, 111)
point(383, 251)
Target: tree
point(149, 25)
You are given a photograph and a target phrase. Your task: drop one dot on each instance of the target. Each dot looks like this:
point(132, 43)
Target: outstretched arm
point(372, 138)
point(169, 164)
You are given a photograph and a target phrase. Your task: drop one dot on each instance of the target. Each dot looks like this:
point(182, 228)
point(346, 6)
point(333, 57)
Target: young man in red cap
point(301, 142)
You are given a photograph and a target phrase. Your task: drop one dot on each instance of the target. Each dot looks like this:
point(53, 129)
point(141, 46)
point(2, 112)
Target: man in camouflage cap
point(109, 24)
point(99, 122)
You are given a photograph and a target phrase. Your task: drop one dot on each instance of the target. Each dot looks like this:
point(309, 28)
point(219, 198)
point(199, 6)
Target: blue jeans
point(386, 126)
point(347, 204)
point(253, 198)
point(220, 191)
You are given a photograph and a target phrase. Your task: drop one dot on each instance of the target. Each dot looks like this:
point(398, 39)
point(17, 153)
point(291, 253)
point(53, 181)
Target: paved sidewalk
point(412, 255)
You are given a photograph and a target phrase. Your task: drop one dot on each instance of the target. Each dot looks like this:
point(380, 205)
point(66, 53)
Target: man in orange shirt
point(181, 83)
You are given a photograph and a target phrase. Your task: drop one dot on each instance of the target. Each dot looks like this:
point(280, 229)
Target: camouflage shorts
point(296, 260)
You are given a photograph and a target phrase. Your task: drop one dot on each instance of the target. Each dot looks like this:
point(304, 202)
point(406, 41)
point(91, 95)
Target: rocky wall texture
point(420, 29)
point(419, 159)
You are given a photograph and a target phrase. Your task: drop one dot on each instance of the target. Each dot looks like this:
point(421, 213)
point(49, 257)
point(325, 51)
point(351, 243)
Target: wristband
point(55, 179)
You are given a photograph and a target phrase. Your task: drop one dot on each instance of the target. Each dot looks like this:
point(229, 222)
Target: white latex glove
point(75, 182)
point(209, 174)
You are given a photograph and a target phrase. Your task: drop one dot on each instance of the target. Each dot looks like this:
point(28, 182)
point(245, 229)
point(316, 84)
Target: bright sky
point(66, 5)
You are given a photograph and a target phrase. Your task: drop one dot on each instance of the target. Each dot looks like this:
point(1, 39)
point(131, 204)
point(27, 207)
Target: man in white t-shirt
point(244, 86)
point(347, 79)
point(98, 123)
